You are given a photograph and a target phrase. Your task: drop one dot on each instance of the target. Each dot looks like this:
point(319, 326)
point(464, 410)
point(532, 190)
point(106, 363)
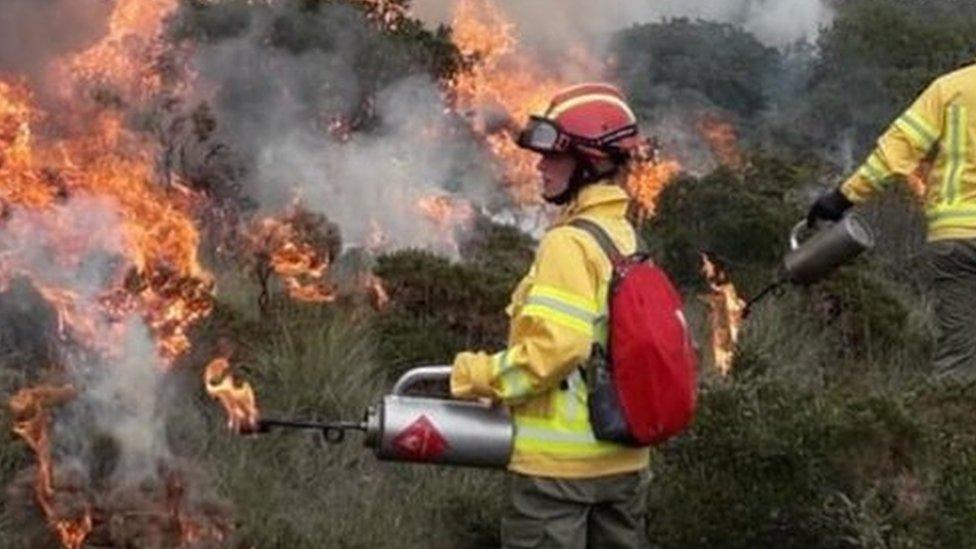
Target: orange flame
point(87, 152)
point(237, 399)
point(501, 86)
point(724, 315)
point(168, 288)
point(722, 139)
point(124, 56)
point(499, 89)
point(290, 253)
point(645, 181)
point(30, 409)
point(374, 287)
point(446, 213)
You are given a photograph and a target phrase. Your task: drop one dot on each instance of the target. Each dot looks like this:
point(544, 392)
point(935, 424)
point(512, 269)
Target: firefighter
point(939, 130)
point(567, 489)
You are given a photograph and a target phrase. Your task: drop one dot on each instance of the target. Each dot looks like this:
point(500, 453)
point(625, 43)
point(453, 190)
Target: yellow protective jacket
point(937, 128)
point(557, 312)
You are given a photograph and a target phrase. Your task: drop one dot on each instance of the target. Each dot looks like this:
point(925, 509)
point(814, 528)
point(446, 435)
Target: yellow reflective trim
point(955, 214)
point(561, 307)
point(874, 171)
point(561, 318)
point(918, 130)
point(956, 152)
point(559, 442)
point(514, 382)
point(573, 300)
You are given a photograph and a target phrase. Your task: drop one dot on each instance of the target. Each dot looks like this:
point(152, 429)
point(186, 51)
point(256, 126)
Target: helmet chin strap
point(585, 173)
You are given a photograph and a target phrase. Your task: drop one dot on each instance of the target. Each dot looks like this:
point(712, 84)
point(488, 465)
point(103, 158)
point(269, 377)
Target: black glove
point(829, 207)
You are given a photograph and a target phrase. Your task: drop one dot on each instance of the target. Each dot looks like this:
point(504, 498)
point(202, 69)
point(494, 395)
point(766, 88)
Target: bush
point(440, 307)
point(743, 219)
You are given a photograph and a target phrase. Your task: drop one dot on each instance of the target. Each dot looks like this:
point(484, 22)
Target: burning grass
point(320, 362)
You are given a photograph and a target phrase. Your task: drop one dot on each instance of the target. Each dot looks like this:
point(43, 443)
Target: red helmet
point(592, 120)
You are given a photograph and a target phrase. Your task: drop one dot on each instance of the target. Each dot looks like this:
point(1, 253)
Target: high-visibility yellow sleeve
point(551, 332)
point(912, 137)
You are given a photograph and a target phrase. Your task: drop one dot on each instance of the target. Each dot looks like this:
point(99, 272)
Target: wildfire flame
point(724, 314)
point(647, 179)
point(501, 87)
point(722, 139)
point(288, 247)
point(86, 153)
point(374, 287)
point(237, 399)
point(446, 213)
point(124, 56)
point(30, 409)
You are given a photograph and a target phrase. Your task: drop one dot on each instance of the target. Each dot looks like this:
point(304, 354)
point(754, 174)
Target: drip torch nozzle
point(774, 288)
point(333, 431)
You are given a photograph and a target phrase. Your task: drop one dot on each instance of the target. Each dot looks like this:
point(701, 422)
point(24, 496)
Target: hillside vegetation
point(828, 432)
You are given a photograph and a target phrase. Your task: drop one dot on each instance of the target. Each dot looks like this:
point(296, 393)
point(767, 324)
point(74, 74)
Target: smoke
point(360, 147)
point(35, 32)
point(122, 383)
point(124, 392)
point(561, 24)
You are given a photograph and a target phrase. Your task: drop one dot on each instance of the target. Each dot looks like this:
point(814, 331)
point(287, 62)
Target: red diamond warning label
point(420, 441)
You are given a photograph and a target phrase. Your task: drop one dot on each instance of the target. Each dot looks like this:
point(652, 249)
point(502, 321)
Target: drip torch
point(403, 426)
point(810, 260)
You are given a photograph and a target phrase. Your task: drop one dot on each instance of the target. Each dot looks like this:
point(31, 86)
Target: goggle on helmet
point(545, 136)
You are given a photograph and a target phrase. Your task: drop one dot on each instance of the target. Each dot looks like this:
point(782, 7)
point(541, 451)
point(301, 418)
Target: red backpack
point(641, 388)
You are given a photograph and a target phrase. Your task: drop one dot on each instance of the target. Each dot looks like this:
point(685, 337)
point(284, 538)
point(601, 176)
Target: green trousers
point(603, 512)
point(952, 265)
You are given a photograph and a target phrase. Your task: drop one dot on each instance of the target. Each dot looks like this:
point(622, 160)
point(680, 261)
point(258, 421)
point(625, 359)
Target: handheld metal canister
point(824, 251)
point(444, 431)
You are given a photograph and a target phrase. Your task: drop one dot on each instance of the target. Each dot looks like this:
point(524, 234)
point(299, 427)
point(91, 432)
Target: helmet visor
point(541, 135)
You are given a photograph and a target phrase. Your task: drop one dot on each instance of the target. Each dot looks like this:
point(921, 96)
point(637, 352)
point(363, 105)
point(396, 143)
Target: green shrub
point(743, 218)
point(440, 307)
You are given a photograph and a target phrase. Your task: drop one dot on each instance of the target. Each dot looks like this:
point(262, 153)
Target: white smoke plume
point(564, 23)
point(366, 182)
point(121, 386)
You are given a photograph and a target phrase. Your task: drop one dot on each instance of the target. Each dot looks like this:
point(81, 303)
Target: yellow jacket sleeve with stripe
point(551, 331)
point(910, 139)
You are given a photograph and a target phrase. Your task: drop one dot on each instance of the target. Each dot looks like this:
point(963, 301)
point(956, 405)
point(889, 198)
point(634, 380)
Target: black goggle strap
point(605, 141)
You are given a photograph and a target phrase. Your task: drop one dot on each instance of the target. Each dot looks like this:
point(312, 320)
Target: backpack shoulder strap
point(600, 235)
point(603, 239)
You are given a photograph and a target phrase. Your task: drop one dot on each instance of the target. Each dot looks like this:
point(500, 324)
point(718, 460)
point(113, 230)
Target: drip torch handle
point(795, 234)
point(418, 375)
